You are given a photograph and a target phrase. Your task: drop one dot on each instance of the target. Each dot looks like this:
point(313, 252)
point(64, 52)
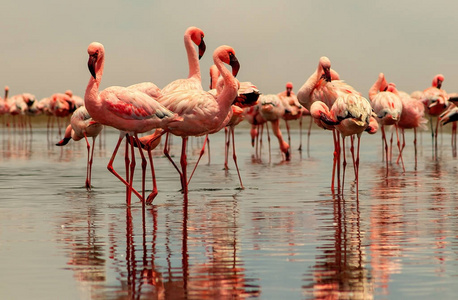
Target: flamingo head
point(197, 36)
point(227, 55)
point(325, 65)
point(289, 88)
point(96, 52)
point(437, 81)
point(69, 93)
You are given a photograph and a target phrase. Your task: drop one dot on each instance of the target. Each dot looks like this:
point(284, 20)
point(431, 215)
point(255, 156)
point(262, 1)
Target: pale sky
point(44, 43)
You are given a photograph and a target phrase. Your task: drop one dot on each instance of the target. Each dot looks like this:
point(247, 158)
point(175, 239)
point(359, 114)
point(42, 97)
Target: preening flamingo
point(83, 126)
point(293, 110)
point(412, 117)
point(272, 110)
point(388, 108)
point(127, 110)
point(435, 100)
point(325, 86)
point(201, 111)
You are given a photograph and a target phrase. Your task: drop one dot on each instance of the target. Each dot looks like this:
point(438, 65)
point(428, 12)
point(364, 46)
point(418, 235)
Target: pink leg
point(300, 134)
point(415, 145)
point(402, 146)
point(352, 150)
point(231, 129)
point(202, 151)
point(386, 148)
point(399, 148)
point(112, 170)
point(226, 147)
point(154, 192)
point(88, 164)
point(184, 164)
point(308, 135)
point(287, 131)
point(344, 163)
point(144, 163)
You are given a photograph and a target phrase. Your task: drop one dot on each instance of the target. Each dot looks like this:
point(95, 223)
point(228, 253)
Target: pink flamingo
point(192, 35)
point(325, 86)
point(412, 117)
point(128, 110)
point(435, 101)
point(83, 126)
point(293, 110)
point(354, 115)
point(272, 110)
point(388, 108)
point(202, 112)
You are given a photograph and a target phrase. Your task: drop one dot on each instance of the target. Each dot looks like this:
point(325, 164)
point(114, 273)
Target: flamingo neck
point(92, 90)
point(193, 59)
point(229, 91)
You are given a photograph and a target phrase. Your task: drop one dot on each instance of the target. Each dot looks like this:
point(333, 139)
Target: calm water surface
point(285, 236)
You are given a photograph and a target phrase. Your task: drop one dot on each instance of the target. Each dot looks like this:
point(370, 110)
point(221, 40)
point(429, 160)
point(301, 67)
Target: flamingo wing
point(130, 104)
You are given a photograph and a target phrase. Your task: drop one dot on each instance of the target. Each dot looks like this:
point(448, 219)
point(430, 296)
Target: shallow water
point(285, 236)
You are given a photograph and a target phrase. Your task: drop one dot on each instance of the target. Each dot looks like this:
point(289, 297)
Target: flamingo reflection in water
point(340, 271)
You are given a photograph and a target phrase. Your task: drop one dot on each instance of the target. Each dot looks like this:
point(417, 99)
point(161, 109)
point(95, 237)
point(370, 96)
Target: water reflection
point(159, 257)
point(339, 271)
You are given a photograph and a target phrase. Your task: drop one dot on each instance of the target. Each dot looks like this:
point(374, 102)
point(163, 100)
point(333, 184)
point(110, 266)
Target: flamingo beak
point(91, 64)
point(202, 48)
point(327, 75)
point(235, 65)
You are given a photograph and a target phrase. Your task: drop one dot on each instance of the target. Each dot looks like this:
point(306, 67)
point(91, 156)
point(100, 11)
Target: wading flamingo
point(128, 110)
point(201, 111)
point(293, 110)
point(435, 100)
point(388, 108)
point(325, 86)
point(412, 117)
point(83, 126)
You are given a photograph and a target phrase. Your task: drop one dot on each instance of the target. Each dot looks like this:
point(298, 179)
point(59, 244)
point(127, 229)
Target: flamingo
point(293, 109)
point(325, 86)
point(83, 126)
point(272, 110)
point(128, 110)
point(192, 35)
point(354, 115)
point(435, 101)
point(412, 117)
point(388, 108)
point(201, 111)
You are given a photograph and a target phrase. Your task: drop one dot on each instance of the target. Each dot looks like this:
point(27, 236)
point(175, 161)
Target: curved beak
point(327, 74)
point(91, 64)
point(202, 48)
point(235, 65)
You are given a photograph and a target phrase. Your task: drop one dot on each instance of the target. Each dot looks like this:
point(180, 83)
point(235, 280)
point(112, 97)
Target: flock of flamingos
point(183, 108)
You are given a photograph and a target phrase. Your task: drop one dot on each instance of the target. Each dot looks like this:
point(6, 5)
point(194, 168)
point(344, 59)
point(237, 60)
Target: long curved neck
point(193, 59)
point(229, 91)
point(305, 92)
point(92, 89)
point(377, 87)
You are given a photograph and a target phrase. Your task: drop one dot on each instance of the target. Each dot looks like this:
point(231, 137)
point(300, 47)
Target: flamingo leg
point(454, 139)
point(167, 154)
point(202, 151)
point(132, 170)
point(300, 134)
point(234, 157)
point(184, 164)
point(344, 163)
point(334, 163)
point(288, 132)
point(357, 164)
point(89, 162)
point(415, 145)
point(112, 170)
point(399, 147)
point(386, 148)
point(268, 139)
point(352, 150)
point(154, 192)
point(402, 145)
point(226, 147)
point(144, 163)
